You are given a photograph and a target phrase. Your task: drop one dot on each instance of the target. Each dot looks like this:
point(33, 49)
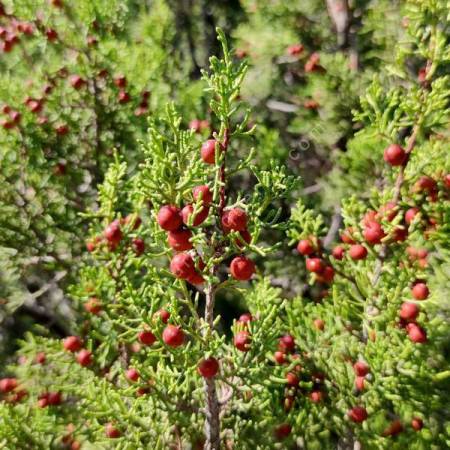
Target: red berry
point(389, 211)
point(72, 343)
point(373, 233)
point(282, 431)
point(242, 341)
point(422, 75)
point(326, 276)
point(234, 219)
point(146, 337)
point(132, 374)
point(34, 106)
point(426, 183)
point(295, 49)
point(369, 216)
point(204, 193)
point(312, 63)
point(357, 414)
point(40, 358)
point(138, 246)
point(319, 324)
point(42, 120)
point(395, 155)
point(62, 130)
point(182, 266)
point(15, 116)
point(195, 279)
point(133, 219)
point(338, 252)
point(173, 336)
point(315, 265)
point(357, 252)
point(409, 311)
point(84, 357)
point(399, 234)
point(245, 318)
point(120, 81)
point(393, 429)
point(163, 314)
point(416, 333)
point(7, 384)
point(91, 41)
point(286, 343)
point(179, 240)
point(6, 124)
point(316, 396)
point(242, 268)
point(91, 246)
point(113, 233)
point(279, 357)
point(123, 97)
point(169, 218)
point(305, 247)
point(422, 253)
point(76, 81)
point(292, 379)
point(359, 383)
point(54, 398)
point(420, 291)
point(51, 34)
point(93, 306)
point(361, 368)
point(208, 151)
point(111, 431)
point(208, 367)
point(140, 391)
point(43, 402)
point(200, 217)
point(411, 214)
point(194, 124)
point(447, 180)
point(417, 423)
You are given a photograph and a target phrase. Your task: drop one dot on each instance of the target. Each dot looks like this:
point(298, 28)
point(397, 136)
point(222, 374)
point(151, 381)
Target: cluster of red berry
point(179, 223)
point(113, 235)
point(286, 354)
point(11, 32)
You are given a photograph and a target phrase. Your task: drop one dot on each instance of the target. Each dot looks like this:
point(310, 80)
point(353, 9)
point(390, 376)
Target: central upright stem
point(212, 424)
